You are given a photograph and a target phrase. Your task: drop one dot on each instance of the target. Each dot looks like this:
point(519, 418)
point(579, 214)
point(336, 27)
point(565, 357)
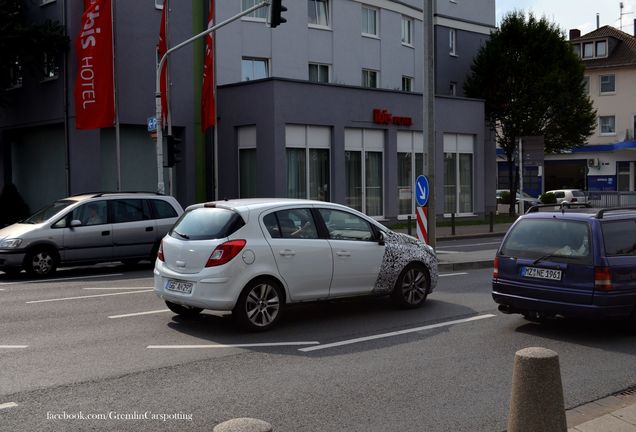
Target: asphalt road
point(358, 365)
point(469, 245)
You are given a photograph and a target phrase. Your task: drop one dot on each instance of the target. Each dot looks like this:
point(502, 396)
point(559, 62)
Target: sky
point(570, 14)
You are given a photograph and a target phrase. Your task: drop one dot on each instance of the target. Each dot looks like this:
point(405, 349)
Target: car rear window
point(619, 237)
point(578, 194)
point(556, 239)
point(205, 223)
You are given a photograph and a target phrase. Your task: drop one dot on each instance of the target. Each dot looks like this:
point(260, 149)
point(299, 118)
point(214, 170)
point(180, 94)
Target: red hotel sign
point(385, 117)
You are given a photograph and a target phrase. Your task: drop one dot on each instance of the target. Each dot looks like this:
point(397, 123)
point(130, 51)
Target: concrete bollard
point(243, 425)
point(537, 393)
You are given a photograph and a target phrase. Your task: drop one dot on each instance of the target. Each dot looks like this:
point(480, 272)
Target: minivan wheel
point(259, 306)
point(412, 287)
point(41, 262)
point(185, 311)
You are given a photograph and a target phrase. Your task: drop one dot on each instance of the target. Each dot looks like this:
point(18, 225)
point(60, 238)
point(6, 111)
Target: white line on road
point(453, 274)
point(139, 313)
point(8, 405)
point(272, 344)
point(396, 333)
point(13, 346)
point(119, 288)
point(60, 279)
point(471, 244)
point(446, 252)
point(88, 296)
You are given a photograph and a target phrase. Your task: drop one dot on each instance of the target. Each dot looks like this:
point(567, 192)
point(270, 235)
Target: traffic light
point(173, 151)
point(276, 9)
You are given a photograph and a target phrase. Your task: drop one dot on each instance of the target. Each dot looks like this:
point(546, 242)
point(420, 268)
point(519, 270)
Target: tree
point(532, 83)
point(24, 44)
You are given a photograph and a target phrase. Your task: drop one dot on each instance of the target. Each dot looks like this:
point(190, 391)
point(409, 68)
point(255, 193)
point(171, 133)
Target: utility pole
point(429, 114)
point(160, 182)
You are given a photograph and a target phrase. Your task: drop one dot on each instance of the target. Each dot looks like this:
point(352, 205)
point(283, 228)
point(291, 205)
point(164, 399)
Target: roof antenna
point(623, 13)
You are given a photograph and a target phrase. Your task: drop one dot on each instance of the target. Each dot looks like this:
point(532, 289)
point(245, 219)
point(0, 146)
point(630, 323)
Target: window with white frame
point(601, 49)
point(50, 68)
point(369, 21)
point(588, 50)
point(307, 150)
point(407, 31)
point(254, 68)
point(452, 42)
point(607, 125)
point(407, 84)
point(247, 161)
point(364, 167)
point(586, 84)
point(410, 158)
point(318, 12)
point(369, 78)
point(458, 173)
point(318, 73)
point(260, 13)
point(608, 84)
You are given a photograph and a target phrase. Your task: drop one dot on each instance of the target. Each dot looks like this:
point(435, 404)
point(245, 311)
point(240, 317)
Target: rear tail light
point(495, 268)
point(160, 256)
point(224, 252)
point(603, 279)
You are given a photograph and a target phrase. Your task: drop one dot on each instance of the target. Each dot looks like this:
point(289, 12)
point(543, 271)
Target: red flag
point(94, 88)
point(163, 47)
point(208, 110)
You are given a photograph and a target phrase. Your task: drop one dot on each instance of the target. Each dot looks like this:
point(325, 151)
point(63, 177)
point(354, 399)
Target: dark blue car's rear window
point(556, 239)
point(619, 237)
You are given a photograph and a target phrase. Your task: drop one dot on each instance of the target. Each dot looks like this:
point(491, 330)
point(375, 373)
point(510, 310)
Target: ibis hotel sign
point(385, 117)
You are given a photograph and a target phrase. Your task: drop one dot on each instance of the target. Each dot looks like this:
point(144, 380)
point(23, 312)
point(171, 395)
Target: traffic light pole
point(160, 182)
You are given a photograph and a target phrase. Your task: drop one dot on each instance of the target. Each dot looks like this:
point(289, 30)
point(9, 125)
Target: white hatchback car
point(253, 256)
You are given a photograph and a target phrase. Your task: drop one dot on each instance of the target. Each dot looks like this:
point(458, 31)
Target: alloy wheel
point(414, 286)
point(262, 305)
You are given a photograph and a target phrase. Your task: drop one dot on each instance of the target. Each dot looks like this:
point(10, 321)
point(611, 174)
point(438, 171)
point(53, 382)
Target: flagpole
point(116, 96)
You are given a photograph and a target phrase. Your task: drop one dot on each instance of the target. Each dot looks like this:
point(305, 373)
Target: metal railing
point(611, 199)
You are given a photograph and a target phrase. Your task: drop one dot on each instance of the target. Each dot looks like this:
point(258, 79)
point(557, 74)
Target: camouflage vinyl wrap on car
point(401, 249)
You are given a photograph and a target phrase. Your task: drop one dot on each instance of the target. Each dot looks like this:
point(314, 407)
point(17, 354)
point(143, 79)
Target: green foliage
point(547, 198)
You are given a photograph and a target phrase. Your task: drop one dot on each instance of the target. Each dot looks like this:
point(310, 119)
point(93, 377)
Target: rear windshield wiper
point(546, 256)
point(185, 236)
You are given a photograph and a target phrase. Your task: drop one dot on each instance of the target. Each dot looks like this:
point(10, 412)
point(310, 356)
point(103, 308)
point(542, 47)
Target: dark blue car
point(568, 264)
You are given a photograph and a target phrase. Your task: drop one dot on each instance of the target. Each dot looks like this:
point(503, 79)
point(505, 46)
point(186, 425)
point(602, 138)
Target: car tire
point(185, 311)
point(41, 261)
point(412, 286)
point(260, 305)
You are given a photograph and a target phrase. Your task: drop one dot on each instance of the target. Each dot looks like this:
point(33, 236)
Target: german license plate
point(179, 286)
point(541, 273)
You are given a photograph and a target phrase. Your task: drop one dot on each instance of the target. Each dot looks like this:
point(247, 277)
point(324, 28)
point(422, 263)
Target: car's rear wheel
point(412, 286)
point(259, 306)
point(186, 311)
point(41, 262)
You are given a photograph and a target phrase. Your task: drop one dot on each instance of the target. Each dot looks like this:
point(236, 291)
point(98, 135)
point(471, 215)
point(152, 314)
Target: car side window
point(92, 213)
point(559, 194)
point(619, 237)
point(129, 210)
point(163, 209)
point(292, 223)
point(346, 226)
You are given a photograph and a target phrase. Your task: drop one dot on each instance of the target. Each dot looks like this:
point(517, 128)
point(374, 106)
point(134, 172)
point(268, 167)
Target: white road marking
point(2, 289)
point(119, 288)
point(13, 346)
point(88, 296)
point(472, 244)
point(139, 313)
point(396, 333)
point(452, 274)
point(446, 252)
point(272, 344)
point(60, 279)
point(8, 405)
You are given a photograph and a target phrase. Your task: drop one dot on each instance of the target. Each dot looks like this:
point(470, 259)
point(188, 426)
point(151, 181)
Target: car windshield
point(558, 239)
point(48, 212)
point(206, 223)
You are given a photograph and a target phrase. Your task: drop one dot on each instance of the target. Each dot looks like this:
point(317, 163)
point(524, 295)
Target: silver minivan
point(86, 229)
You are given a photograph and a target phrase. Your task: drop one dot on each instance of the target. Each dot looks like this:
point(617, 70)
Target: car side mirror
point(381, 239)
point(76, 223)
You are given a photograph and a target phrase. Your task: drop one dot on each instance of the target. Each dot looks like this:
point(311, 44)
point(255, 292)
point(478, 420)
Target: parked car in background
point(566, 197)
point(87, 229)
point(562, 263)
point(528, 201)
point(255, 256)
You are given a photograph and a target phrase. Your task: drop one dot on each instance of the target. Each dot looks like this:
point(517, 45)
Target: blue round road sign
point(421, 191)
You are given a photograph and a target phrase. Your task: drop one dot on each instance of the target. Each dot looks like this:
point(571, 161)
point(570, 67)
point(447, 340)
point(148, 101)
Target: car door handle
point(149, 229)
point(287, 252)
point(343, 253)
point(105, 233)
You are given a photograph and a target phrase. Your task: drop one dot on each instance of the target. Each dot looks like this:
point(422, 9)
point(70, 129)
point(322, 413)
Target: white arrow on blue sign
point(421, 190)
point(152, 124)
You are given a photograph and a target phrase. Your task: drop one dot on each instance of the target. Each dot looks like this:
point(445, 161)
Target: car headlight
point(10, 243)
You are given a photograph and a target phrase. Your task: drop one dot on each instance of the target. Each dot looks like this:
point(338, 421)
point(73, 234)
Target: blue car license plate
point(541, 273)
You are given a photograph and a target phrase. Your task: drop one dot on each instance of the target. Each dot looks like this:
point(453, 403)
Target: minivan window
point(556, 239)
point(619, 237)
point(48, 212)
point(92, 213)
point(129, 210)
point(163, 209)
point(205, 223)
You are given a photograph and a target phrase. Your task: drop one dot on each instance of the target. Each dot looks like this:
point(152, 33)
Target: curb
point(467, 265)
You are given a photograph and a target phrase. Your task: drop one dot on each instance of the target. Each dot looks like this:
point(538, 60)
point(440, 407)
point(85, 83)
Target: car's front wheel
point(186, 311)
point(259, 306)
point(41, 262)
point(412, 286)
